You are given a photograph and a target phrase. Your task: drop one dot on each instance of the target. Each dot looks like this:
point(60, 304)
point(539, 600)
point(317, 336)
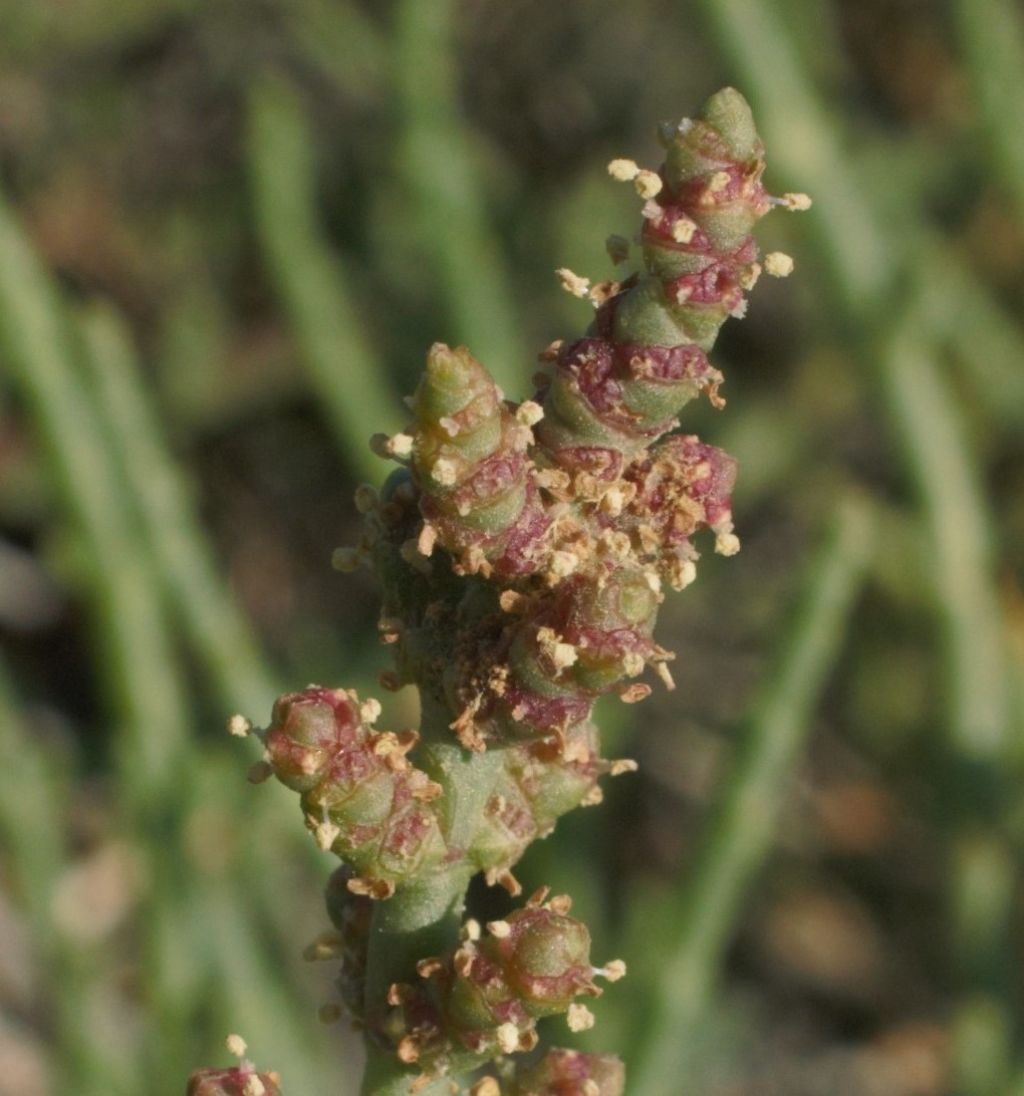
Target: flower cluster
point(361, 797)
point(484, 998)
point(573, 510)
point(523, 551)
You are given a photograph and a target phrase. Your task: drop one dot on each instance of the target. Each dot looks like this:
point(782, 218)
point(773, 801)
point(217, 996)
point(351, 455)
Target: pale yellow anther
point(593, 796)
point(508, 1037)
point(623, 765)
point(591, 1087)
point(617, 247)
point(616, 542)
point(553, 479)
point(253, 1086)
point(396, 994)
point(653, 579)
point(579, 1018)
point(633, 694)
point(236, 1045)
point(369, 710)
point(718, 181)
point(429, 967)
point(512, 601)
point(400, 445)
point(682, 573)
point(562, 655)
point(325, 834)
point(486, 1086)
point(778, 264)
point(683, 230)
point(648, 184)
point(239, 726)
point(576, 751)
point(550, 352)
point(573, 283)
point(614, 970)
point(501, 930)
point(563, 563)
point(622, 171)
point(749, 276)
point(444, 472)
point(798, 203)
point(378, 889)
point(426, 540)
point(603, 291)
point(727, 544)
point(529, 413)
point(471, 929)
point(633, 663)
point(386, 744)
point(408, 1051)
point(612, 501)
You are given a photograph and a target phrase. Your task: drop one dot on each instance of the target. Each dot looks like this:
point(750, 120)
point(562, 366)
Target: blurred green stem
point(33, 787)
point(739, 833)
point(956, 307)
point(868, 267)
point(992, 35)
point(451, 214)
point(951, 494)
point(194, 590)
point(310, 279)
point(140, 662)
point(153, 759)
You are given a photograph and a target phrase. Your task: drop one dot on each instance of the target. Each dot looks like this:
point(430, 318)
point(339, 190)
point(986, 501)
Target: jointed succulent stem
point(522, 552)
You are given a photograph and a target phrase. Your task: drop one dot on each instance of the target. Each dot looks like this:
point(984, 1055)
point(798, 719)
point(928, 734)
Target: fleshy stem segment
point(523, 550)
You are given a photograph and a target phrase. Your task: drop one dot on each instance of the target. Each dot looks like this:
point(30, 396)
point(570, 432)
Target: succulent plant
point(523, 551)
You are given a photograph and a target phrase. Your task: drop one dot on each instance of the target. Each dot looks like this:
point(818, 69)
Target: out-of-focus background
point(229, 229)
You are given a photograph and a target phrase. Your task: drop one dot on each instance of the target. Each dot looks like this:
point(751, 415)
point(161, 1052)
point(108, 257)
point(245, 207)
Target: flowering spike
point(361, 798)
point(471, 465)
point(523, 551)
point(485, 997)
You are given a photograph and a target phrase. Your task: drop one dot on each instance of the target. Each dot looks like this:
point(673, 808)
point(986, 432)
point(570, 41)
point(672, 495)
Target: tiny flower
point(573, 283)
point(778, 264)
point(648, 184)
point(623, 170)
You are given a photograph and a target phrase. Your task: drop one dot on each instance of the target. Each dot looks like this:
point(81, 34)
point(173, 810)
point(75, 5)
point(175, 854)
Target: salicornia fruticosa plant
point(522, 552)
